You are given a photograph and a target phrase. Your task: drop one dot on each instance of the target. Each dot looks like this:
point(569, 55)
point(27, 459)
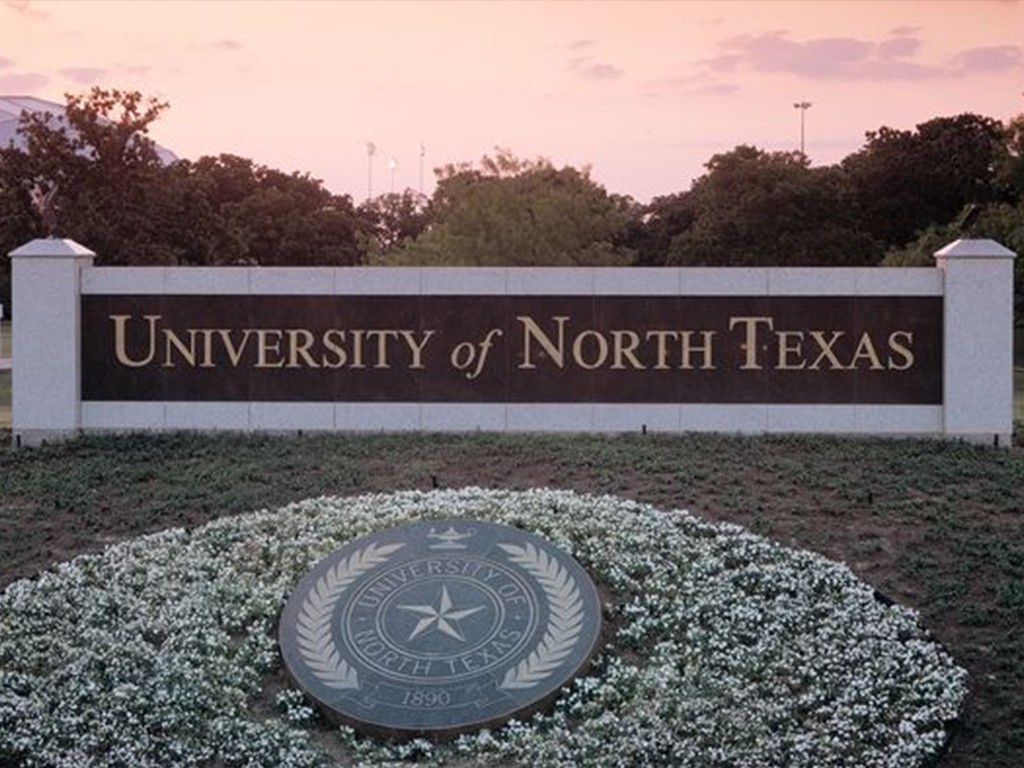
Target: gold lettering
point(188, 353)
point(627, 350)
point(265, 346)
point(382, 346)
point(207, 335)
point(790, 343)
point(357, 348)
point(826, 350)
point(866, 351)
point(898, 347)
point(662, 338)
point(533, 331)
point(300, 348)
point(121, 346)
point(234, 353)
point(334, 348)
point(602, 350)
point(414, 348)
point(706, 349)
point(750, 343)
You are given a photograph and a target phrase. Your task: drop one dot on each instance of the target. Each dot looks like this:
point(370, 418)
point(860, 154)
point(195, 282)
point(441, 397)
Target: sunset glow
point(643, 92)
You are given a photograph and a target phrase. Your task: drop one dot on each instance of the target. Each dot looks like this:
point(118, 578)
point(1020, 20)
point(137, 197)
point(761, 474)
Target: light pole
point(803, 106)
point(423, 154)
point(370, 149)
point(392, 164)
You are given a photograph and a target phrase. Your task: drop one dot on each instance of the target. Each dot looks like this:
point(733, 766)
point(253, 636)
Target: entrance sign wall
point(922, 351)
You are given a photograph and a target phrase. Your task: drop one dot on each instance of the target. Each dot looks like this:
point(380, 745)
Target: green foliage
point(757, 208)
point(98, 172)
point(1010, 169)
point(393, 220)
point(903, 181)
point(513, 212)
point(664, 218)
point(251, 214)
point(1001, 222)
point(107, 188)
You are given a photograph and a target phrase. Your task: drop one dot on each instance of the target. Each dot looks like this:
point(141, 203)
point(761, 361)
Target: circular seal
point(439, 627)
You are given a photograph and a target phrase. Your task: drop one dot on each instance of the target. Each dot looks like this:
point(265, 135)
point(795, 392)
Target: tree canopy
point(515, 212)
point(98, 172)
point(900, 182)
point(755, 208)
point(94, 175)
point(106, 187)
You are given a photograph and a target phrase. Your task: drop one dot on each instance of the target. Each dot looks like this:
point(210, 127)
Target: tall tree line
point(93, 175)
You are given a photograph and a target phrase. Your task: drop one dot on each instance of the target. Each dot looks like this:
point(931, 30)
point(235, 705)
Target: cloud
point(24, 8)
point(4, 62)
point(898, 48)
point(83, 75)
point(588, 68)
point(693, 85)
point(227, 45)
point(993, 58)
point(599, 71)
point(715, 89)
point(25, 82)
point(848, 58)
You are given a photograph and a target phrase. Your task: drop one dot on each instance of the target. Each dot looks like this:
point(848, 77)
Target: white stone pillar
point(46, 370)
point(978, 332)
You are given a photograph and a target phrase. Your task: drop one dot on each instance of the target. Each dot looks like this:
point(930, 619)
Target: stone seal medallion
point(439, 627)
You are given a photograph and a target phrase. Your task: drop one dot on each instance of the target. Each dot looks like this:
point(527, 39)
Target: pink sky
point(643, 92)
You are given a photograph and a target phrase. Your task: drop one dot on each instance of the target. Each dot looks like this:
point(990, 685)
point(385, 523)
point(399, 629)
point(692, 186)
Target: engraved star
point(443, 616)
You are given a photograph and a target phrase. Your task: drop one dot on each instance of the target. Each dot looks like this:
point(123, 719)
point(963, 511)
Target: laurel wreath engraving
point(314, 621)
point(565, 617)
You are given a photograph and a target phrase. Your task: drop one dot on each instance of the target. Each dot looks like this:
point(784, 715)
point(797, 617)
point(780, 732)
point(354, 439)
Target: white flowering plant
point(724, 649)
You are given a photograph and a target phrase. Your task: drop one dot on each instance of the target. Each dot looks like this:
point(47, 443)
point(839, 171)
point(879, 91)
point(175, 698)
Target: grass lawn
point(935, 525)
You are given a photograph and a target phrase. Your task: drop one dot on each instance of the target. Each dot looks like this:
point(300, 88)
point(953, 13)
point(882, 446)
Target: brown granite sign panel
point(514, 349)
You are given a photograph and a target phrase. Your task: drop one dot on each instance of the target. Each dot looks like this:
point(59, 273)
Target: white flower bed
point(731, 650)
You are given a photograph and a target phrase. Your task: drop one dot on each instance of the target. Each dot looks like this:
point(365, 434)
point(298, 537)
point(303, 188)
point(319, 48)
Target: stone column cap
point(970, 248)
point(52, 247)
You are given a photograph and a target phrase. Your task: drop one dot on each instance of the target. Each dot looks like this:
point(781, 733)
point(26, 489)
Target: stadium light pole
point(371, 148)
point(423, 154)
point(803, 106)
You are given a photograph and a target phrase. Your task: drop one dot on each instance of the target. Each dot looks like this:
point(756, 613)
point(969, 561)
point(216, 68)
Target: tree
point(111, 192)
point(1010, 172)
point(664, 218)
point(100, 171)
point(1002, 222)
point(258, 215)
point(766, 208)
point(902, 181)
point(17, 226)
point(393, 220)
point(514, 212)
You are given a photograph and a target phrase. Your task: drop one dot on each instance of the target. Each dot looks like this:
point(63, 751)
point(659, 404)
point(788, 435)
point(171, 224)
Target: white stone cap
point(52, 247)
point(975, 249)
